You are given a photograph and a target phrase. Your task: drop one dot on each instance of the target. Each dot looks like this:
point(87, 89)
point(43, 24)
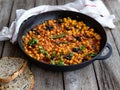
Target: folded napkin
point(95, 9)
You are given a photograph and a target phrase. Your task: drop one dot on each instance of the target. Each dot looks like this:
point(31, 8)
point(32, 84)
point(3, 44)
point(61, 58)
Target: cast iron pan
point(38, 19)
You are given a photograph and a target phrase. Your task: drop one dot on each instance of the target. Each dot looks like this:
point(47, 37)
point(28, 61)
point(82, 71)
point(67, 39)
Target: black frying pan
point(38, 19)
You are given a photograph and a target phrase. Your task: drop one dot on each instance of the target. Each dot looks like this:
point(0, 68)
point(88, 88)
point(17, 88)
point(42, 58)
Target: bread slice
point(25, 81)
point(10, 68)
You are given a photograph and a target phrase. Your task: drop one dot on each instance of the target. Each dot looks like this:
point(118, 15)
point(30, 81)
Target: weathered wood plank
point(61, 2)
point(108, 72)
point(5, 8)
point(1, 48)
point(46, 80)
point(45, 2)
point(83, 79)
point(10, 49)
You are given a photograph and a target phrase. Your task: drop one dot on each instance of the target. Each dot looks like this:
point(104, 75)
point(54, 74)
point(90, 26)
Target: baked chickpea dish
point(62, 42)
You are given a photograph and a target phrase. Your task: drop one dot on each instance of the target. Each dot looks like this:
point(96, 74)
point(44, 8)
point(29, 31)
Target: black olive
point(84, 60)
point(79, 52)
point(52, 57)
point(49, 27)
point(93, 46)
point(68, 57)
point(78, 38)
point(36, 31)
point(67, 28)
point(85, 35)
point(75, 49)
point(75, 26)
point(59, 21)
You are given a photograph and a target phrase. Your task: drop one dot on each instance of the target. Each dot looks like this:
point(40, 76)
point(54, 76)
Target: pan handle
point(99, 57)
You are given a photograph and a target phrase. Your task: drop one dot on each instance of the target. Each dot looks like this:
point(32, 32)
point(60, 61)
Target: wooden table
point(100, 75)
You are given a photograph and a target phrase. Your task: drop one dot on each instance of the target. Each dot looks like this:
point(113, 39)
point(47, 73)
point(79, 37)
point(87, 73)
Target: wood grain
point(47, 80)
point(45, 2)
point(61, 2)
point(10, 49)
point(82, 79)
point(5, 10)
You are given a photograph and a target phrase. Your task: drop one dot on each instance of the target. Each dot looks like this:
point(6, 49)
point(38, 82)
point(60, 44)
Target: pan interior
point(38, 19)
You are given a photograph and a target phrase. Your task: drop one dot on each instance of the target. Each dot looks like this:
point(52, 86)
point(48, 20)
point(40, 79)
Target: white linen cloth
point(95, 9)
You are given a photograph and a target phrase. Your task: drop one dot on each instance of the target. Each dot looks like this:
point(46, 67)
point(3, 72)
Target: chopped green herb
point(59, 21)
point(40, 47)
point(53, 62)
point(61, 54)
point(82, 47)
point(71, 54)
point(33, 41)
point(58, 36)
point(53, 55)
point(61, 62)
point(44, 52)
point(91, 54)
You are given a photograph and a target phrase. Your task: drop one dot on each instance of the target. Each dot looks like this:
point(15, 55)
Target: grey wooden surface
point(100, 75)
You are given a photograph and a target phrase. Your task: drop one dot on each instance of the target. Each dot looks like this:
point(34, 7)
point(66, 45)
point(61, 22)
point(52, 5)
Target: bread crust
point(15, 74)
point(32, 82)
point(29, 78)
